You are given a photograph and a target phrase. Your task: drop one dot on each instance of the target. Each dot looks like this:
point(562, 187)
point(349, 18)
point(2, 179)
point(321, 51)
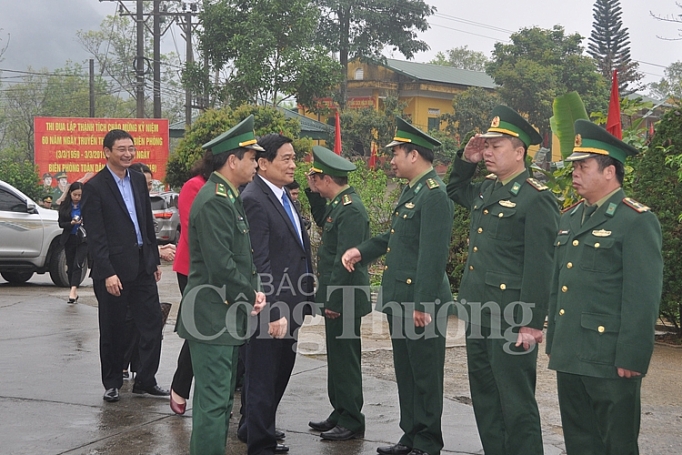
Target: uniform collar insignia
point(508, 204)
point(611, 209)
point(417, 188)
point(515, 188)
point(601, 233)
point(409, 205)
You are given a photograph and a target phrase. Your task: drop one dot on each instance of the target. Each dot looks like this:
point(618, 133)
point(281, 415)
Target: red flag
point(373, 157)
point(337, 137)
point(613, 124)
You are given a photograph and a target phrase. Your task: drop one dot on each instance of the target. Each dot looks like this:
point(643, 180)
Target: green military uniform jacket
point(606, 289)
point(417, 248)
point(510, 245)
point(345, 225)
point(222, 282)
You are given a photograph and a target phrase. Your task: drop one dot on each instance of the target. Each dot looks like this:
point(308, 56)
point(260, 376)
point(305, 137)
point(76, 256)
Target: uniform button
point(561, 312)
point(503, 286)
point(564, 288)
point(601, 329)
point(318, 273)
point(408, 281)
point(226, 302)
point(385, 267)
point(471, 267)
point(479, 230)
point(392, 231)
point(500, 215)
point(569, 265)
point(405, 216)
point(485, 212)
point(475, 249)
point(576, 243)
point(558, 243)
point(388, 250)
point(396, 213)
point(596, 245)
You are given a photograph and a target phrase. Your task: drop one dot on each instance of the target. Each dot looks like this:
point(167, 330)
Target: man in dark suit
point(125, 269)
point(281, 253)
point(415, 289)
point(606, 289)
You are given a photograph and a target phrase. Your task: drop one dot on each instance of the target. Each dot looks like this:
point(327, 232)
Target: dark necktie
point(588, 210)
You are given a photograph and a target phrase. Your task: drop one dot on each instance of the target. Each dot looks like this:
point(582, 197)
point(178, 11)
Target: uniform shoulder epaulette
point(491, 176)
point(346, 199)
point(536, 184)
point(220, 190)
point(571, 206)
point(634, 205)
point(431, 183)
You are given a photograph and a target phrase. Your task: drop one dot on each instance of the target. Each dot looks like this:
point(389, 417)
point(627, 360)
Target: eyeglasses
point(124, 149)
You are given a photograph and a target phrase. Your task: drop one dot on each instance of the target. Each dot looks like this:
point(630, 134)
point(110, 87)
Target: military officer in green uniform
point(506, 282)
point(222, 286)
point(606, 290)
point(415, 291)
point(344, 224)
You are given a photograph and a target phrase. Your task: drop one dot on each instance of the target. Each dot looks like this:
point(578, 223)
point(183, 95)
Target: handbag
point(82, 235)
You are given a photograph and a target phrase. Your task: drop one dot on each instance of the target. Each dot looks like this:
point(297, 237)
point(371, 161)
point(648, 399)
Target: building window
point(434, 123)
point(359, 74)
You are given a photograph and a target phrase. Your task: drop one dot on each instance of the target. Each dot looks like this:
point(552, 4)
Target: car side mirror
point(31, 208)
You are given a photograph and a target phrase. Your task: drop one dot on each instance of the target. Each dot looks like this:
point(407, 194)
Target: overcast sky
point(42, 33)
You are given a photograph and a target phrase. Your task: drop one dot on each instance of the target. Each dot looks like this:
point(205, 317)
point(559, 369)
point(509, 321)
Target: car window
point(158, 203)
point(10, 203)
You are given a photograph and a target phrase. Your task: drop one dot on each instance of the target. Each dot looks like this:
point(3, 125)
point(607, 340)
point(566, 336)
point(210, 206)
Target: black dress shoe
point(417, 452)
point(397, 449)
point(281, 448)
point(279, 435)
point(111, 395)
point(324, 425)
point(156, 390)
point(339, 433)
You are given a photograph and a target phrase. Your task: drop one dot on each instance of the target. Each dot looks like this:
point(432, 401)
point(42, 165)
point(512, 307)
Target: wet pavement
point(51, 394)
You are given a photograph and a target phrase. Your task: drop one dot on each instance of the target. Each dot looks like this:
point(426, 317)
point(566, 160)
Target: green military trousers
point(502, 382)
point(214, 384)
point(600, 416)
point(344, 376)
point(418, 358)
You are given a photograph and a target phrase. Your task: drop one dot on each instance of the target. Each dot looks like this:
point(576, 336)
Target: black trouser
point(182, 379)
point(143, 297)
point(76, 252)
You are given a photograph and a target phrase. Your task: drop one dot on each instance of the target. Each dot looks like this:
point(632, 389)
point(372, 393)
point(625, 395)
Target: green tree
point(609, 45)
point(461, 57)
point(23, 175)
point(542, 64)
point(266, 48)
point(670, 86)
point(656, 183)
point(214, 122)
point(362, 29)
point(472, 109)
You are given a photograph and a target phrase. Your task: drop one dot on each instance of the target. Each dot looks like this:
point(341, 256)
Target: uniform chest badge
point(508, 204)
point(601, 233)
point(564, 232)
point(409, 205)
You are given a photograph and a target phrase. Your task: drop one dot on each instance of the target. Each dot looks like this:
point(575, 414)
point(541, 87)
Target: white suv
point(29, 239)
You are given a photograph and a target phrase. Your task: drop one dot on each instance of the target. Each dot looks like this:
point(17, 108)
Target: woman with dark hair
point(73, 237)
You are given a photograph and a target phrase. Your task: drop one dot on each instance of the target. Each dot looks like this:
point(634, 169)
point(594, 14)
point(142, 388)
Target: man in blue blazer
point(125, 269)
point(281, 253)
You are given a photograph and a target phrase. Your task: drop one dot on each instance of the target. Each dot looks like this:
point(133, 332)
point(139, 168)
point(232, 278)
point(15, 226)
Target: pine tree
point(609, 45)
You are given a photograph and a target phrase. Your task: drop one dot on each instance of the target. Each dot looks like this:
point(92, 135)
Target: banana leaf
point(567, 109)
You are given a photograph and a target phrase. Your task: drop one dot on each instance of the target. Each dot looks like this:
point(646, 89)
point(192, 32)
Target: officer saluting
point(506, 281)
point(414, 289)
point(608, 274)
point(345, 224)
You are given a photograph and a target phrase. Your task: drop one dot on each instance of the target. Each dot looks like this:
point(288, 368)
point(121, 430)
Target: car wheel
point(58, 268)
point(17, 277)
